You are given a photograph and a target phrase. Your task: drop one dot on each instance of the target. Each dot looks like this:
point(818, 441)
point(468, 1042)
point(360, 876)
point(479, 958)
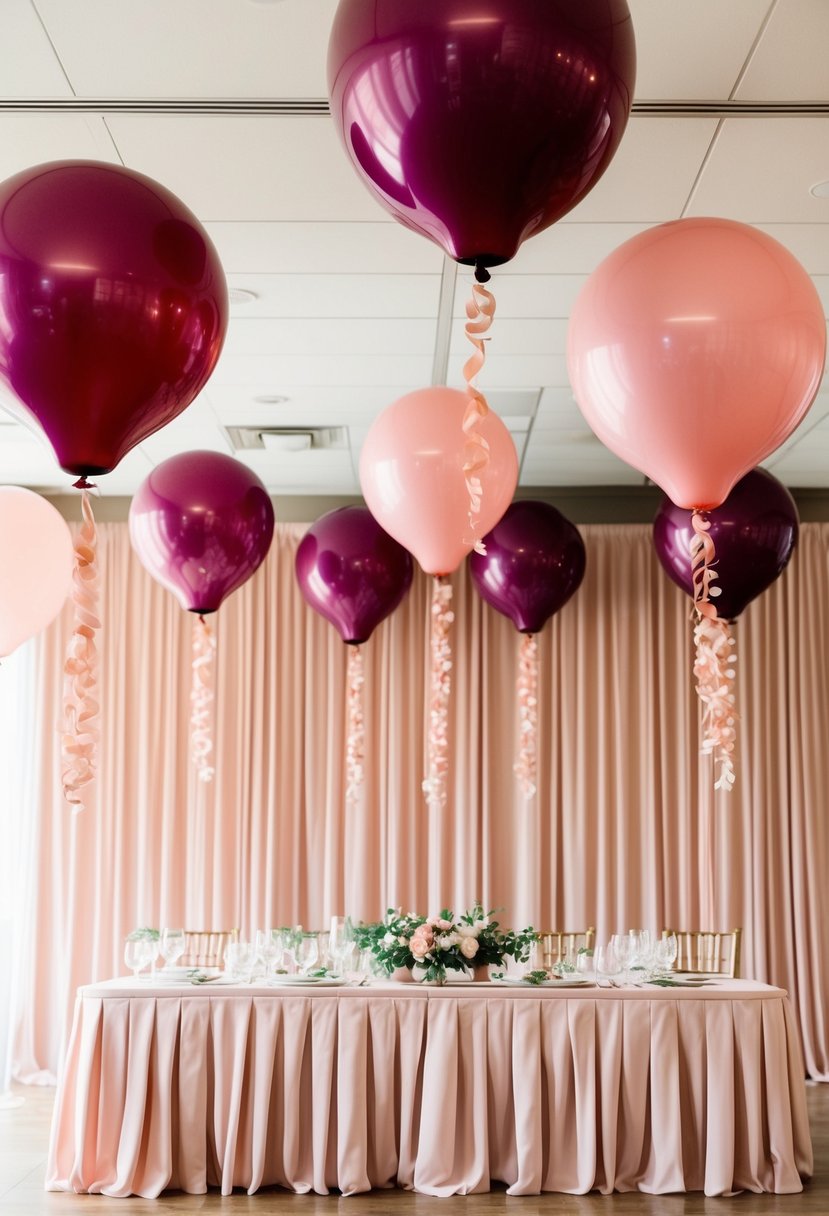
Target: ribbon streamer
point(201, 698)
point(480, 309)
point(526, 765)
point(80, 690)
point(355, 743)
point(437, 752)
point(715, 658)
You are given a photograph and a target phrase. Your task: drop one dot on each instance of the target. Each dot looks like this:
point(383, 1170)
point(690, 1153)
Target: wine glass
point(307, 951)
point(622, 946)
point(172, 946)
point(641, 951)
point(137, 953)
point(268, 949)
point(339, 939)
point(666, 951)
point(607, 964)
point(239, 960)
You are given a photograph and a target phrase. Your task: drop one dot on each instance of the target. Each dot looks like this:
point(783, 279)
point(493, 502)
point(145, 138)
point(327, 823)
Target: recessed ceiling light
point(271, 399)
point(820, 190)
point(241, 295)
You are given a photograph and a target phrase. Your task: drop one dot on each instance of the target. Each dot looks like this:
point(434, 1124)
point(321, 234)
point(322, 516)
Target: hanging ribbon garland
point(201, 698)
point(526, 765)
point(715, 658)
point(80, 697)
point(437, 752)
point(480, 309)
point(355, 742)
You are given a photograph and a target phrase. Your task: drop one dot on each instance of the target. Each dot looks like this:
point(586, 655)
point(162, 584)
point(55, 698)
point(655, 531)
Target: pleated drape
point(625, 828)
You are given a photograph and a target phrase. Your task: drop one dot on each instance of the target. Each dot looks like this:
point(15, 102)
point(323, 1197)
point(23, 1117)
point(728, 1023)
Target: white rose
point(389, 939)
point(445, 941)
point(469, 947)
point(402, 941)
point(482, 923)
point(468, 931)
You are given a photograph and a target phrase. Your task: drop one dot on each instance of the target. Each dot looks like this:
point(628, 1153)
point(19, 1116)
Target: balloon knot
point(482, 275)
point(83, 484)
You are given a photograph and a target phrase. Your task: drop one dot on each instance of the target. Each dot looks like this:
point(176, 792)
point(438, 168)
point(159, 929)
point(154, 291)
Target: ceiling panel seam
point(299, 107)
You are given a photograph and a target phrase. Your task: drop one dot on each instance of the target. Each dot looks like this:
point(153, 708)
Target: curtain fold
point(625, 829)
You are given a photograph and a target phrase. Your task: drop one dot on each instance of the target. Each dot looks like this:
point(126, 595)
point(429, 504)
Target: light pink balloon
point(36, 563)
point(694, 350)
point(411, 473)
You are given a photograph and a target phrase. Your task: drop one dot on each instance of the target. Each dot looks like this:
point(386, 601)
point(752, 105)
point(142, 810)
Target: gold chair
point(206, 947)
point(705, 950)
point(556, 944)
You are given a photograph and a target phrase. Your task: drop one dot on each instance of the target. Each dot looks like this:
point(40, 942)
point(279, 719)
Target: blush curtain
point(625, 829)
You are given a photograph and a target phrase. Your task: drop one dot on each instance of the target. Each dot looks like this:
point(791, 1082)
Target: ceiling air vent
point(286, 438)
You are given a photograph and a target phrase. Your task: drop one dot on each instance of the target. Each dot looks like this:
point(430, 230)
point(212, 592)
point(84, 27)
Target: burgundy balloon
point(480, 122)
point(201, 523)
point(114, 307)
point(754, 534)
point(352, 572)
point(534, 563)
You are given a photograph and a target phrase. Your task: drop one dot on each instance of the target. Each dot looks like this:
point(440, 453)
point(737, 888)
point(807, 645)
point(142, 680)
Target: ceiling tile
point(29, 66)
point(790, 62)
point(270, 374)
point(677, 56)
point(239, 167)
point(652, 173)
point(761, 169)
point(527, 295)
point(30, 139)
point(378, 336)
point(528, 336)
point(337, 296)
point(511, 371)
point(191, 48)
point(330, 248)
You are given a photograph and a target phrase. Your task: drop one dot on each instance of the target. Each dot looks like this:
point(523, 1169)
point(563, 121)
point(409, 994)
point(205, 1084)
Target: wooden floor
point(24, 1135)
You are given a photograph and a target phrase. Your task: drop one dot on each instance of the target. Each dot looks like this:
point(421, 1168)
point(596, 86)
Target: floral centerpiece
point(431, 946)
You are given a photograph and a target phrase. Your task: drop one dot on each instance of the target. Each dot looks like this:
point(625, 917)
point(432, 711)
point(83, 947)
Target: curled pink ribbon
point(80, 733)
point(480, 309)
point(715, 658)
point(437, 751)
point(201, 699)
point(526, 765)
point(355, 742)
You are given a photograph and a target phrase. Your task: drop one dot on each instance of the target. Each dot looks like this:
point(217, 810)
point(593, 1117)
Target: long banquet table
point(438, 1090)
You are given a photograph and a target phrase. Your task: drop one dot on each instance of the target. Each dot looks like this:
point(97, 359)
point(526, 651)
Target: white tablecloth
point(438, 1090)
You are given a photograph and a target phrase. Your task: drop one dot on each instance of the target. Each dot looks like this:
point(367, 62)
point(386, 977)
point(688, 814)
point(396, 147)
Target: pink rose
point(419, 946)
point(469, 947)
point(444, 925)
point(425, 933)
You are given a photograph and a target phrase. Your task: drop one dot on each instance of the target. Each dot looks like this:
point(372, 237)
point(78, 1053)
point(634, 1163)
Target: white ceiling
point(350, 309)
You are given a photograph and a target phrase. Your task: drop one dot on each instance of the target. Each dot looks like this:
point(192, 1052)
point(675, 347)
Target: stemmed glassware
point(138, 951)
point(665, 951)
point(308, 952)
point(622, 947)
point(607, 964)
point(340, 939)
point(172, 946)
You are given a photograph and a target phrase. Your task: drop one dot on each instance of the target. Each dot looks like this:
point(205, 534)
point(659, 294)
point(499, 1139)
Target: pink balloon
point(694, 350)
point(411, 473)
point(36, 560)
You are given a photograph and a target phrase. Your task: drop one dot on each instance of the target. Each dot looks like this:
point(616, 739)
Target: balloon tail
point(437, 752)
point(480, 309)
point(80, 670)
point(526, 765)
point(355, 743)
point(715, 658)
point(201, 699)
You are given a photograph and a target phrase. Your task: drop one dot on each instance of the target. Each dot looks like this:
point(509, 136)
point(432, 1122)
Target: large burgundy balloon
point(534, 562)
point(201, 523)
point(754, 534)
point(114, 307)
point(352, 572)
point(481, 122)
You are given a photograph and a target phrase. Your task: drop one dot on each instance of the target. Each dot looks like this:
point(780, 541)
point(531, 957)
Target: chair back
point(206, 947)
point(707, 950)
point(556, 944)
